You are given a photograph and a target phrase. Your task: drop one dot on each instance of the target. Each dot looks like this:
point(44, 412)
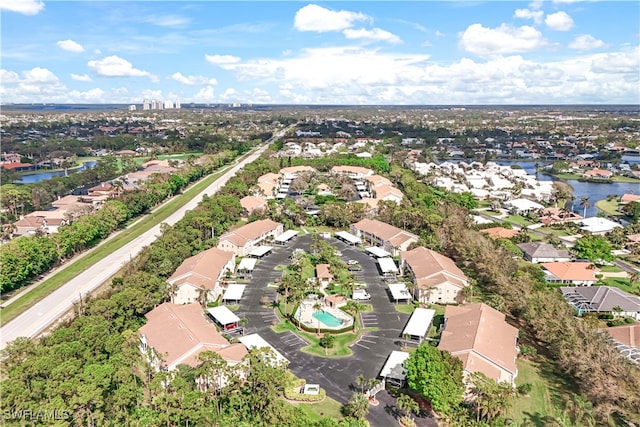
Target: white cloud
point(39, 75)
point(536, 4)
point(321, 68)
point(502, 40)
point(91, 95)
point(439, 34)
point(70, 46)
point(222, 59)
point(167, 20)
point(536, 15)
point(627, 62)
point(114, 66)
point(206, 94)
point(586, 42)
point(316, 18)
point(8, 77)
point(559, 21)
point(193, 80)
point(80, 77)
point(229, 95)
point(26, 7)
point(375, 34)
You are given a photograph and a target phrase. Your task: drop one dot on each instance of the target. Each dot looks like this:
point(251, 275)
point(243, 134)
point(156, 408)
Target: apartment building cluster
point(157, 104)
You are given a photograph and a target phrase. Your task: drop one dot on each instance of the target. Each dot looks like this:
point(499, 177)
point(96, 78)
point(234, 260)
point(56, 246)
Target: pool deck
point(305, 315)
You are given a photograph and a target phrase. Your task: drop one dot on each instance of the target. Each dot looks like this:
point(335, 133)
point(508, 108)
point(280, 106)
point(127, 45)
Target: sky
point(329, 53)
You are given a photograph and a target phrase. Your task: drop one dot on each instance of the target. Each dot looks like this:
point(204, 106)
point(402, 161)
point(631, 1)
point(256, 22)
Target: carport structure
point(419, 324)
point(393, 370)
point(224, 318)
point(233, 293)
point(388, 268)
point(285, 237)
point(246, 267)
point(260, 251)
point(256, 341)
point(377, 252)
point(348, 238)
point(399, 292)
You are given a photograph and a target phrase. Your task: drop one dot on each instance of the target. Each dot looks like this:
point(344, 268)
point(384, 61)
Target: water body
point(593, 190)
point(43, 176)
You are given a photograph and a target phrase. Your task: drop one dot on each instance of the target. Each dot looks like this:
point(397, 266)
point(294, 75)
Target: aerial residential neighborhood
point(336, 280)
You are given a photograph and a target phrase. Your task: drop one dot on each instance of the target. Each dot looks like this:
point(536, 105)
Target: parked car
point(360, 294)
point(354, 267)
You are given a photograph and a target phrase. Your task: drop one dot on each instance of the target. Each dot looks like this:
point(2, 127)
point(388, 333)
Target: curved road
point(43, 314)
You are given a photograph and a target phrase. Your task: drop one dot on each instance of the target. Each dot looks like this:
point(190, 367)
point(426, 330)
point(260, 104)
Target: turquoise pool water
point(327, 318)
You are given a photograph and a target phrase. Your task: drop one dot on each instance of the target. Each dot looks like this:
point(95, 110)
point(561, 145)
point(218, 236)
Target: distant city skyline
point(336, 53)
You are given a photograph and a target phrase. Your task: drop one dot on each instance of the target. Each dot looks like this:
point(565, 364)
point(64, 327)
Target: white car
point(360, 294)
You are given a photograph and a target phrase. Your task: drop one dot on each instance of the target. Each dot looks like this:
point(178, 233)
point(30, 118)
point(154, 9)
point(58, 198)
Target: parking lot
point(336, 375)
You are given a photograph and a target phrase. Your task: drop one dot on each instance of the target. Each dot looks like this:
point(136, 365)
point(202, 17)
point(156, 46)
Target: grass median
point(86, 260)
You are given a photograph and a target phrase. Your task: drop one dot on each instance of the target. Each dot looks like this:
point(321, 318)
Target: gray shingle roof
point(600, 298)
point(542, 250)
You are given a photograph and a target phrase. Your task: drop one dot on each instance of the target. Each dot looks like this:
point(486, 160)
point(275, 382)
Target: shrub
point(327, 341)
point(527, 350)
point(524, 389)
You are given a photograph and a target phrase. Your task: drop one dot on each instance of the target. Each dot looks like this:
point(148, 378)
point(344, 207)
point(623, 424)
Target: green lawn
point(609, 207)
point(519, 220)
point(340, 347)
point(539, 404)
point(90, 257)
point(553, 231)
point(622, 284)
point(405, 308)
point(328, 408)
point(610, 269)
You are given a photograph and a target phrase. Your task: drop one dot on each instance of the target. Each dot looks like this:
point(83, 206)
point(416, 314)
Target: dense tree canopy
point(436, 375)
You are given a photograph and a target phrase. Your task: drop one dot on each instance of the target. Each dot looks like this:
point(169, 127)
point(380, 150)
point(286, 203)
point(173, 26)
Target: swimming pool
point(327, 318)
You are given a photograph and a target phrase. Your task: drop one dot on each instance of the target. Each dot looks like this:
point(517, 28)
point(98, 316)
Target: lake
point(595, 191)
point(43, 176)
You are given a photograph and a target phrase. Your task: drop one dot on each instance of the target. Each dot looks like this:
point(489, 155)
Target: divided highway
point(43, 314)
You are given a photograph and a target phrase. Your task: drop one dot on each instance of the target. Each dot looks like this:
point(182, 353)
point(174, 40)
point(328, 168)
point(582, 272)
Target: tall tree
point(437, 376)
point(584, 202)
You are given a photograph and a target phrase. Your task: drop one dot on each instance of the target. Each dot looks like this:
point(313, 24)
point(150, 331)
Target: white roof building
point(523, 205)
point(596, 225)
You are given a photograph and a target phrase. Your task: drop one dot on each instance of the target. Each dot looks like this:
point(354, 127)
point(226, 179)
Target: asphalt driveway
point(336, 375)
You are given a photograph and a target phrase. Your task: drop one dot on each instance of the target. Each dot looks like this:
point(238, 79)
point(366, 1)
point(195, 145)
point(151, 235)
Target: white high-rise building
point(168, 105)
point(177, 104)
point(146, 104)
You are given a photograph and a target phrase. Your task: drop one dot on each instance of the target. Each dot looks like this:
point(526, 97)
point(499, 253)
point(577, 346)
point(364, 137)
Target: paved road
point(336, 375)
point(43, 314)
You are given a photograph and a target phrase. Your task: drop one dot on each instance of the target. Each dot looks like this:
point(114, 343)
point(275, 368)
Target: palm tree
point(203, 296)
point(354, 308)
point(358, 406)
point(584, 202)
point(407, 405)
point(361, 381)
point(317, 307)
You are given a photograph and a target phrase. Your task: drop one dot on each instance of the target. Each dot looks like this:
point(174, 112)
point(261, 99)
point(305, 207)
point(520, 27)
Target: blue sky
point(290, 52)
